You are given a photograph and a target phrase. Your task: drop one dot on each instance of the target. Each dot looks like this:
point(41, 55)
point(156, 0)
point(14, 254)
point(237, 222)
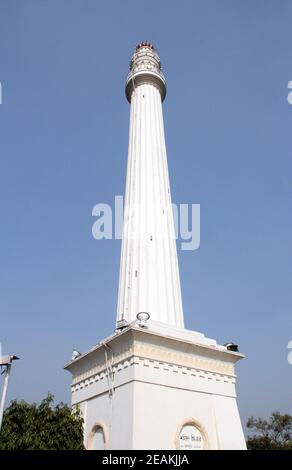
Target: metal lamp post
point(6, 362)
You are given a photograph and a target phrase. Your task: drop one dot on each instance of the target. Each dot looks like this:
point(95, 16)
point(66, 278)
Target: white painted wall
point(144, 415)
point(163, 410)
point(116, 413)
point(228, 423)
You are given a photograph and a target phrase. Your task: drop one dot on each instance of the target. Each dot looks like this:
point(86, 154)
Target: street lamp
point(6, 362)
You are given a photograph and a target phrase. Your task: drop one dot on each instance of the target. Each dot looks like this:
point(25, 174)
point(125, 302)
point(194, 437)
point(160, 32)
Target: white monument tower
point(153, 384)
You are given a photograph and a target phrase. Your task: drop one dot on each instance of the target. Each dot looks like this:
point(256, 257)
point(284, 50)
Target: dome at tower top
point(145, 44)
point(145, 67)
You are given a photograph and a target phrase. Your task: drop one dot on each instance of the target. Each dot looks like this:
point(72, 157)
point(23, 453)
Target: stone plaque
point(190, 438)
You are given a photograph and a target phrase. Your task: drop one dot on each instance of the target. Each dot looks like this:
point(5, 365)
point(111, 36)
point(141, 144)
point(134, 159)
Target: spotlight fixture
point(121, 324)
point(231, 347)
point(142, 318)
point(75, 354)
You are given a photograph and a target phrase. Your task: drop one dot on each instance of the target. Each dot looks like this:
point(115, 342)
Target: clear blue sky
point(63, 144)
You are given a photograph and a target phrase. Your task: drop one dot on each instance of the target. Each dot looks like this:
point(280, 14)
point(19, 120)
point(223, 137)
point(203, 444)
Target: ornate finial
point(145, 67)
point(145, 44)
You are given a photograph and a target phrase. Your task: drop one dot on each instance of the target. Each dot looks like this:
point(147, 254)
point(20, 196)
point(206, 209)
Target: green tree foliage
point(272, 434)
point(41, 427)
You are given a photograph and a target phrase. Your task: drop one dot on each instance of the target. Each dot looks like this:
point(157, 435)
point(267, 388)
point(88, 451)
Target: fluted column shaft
point(149, 276)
